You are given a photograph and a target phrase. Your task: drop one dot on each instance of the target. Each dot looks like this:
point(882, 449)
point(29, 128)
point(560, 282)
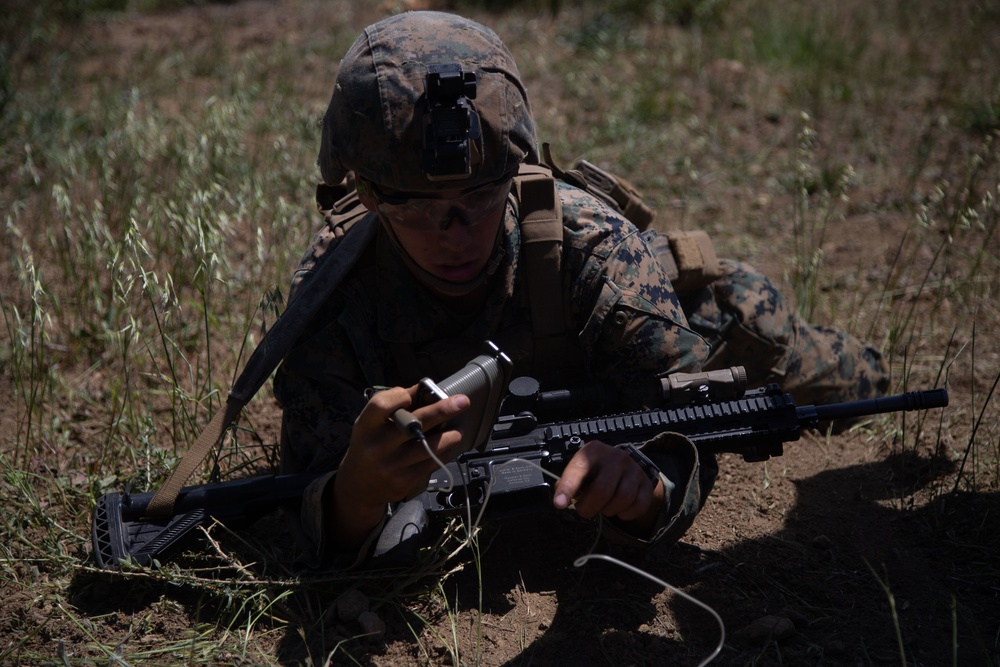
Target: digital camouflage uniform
point(749, 323)
point(626, 324)
point(630, 331)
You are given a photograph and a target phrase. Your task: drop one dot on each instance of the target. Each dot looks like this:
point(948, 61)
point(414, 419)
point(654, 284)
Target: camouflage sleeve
point(320, 395)
point(320, 384)
point(320, 387)
point(319, 552)
point(634, 331)
point(688, 476)
point(755, 326)
point(631, 323)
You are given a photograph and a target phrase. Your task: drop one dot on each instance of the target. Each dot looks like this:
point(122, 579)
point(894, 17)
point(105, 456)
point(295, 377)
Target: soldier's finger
point(414, 455)
point(600, 490)
point(441, 411)
point(382, 405)
point(639, 492)
point(573, 477)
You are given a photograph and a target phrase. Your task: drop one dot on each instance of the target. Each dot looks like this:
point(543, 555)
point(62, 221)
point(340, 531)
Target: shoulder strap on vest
point(613, 190)
point(687, 256)
point(541, 239)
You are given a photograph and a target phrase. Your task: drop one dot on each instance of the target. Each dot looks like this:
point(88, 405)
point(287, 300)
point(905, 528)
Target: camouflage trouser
point(749, 323)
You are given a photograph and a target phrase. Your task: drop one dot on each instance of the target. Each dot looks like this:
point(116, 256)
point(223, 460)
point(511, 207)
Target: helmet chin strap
point(447, 287)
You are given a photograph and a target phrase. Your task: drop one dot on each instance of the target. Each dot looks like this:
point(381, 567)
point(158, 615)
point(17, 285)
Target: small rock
point(836, 648)
point(350, 605)
point(822, 542)
point(798, 618)
point(372, 626)
point(764, 629)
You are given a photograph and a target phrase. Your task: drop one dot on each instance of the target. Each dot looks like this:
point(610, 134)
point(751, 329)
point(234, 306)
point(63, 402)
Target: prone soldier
point(430, 139)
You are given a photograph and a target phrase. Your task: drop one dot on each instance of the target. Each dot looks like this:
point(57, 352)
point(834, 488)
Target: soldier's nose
point(453, 219)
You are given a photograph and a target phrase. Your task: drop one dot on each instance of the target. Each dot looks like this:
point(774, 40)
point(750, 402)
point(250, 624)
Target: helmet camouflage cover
point(376, 124)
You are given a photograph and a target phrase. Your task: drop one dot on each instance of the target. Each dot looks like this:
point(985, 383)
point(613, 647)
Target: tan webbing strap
point(542, 236)
point(330, 270)
point(695, 258)
point(162, 503)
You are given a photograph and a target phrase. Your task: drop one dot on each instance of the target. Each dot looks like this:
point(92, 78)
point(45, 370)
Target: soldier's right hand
point(385, 464)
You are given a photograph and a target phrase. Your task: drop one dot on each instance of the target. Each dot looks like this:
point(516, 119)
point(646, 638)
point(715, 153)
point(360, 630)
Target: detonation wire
point(582, 560)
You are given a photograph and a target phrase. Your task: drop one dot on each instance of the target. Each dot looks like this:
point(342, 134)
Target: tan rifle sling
point(328, 272)
point(687, 256)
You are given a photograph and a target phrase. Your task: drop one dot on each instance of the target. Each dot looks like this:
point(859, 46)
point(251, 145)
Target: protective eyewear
point(433, 214)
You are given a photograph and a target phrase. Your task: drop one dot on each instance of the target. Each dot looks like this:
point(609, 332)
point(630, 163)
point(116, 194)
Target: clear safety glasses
point(428, 213)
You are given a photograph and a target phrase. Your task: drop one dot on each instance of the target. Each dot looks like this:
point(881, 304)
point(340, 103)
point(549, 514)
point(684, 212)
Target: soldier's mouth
point(458, 272)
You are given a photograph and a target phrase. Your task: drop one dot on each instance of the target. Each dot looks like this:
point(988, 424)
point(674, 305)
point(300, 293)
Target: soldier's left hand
point(601, 479)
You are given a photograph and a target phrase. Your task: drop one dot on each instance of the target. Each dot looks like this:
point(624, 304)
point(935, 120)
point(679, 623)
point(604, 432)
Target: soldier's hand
point(385, 464)
point(601, 479)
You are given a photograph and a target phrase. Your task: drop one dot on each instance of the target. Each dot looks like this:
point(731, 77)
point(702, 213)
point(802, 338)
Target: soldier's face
point(449, 234)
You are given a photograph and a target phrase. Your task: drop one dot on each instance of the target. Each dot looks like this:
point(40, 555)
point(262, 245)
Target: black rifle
point(502, 475)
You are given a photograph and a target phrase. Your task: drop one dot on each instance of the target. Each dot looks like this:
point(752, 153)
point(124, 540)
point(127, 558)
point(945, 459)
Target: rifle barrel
point(911, 400)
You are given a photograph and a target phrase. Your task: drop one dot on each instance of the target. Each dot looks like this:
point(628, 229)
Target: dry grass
point(155, 182)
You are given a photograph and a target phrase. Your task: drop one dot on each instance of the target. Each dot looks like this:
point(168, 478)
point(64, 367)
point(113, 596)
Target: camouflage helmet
point(378, 119)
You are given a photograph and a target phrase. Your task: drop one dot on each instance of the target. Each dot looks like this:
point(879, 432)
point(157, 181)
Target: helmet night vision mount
point(451, 124)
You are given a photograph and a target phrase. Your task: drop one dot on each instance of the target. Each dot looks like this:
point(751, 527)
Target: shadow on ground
point(853, 562)
point(850, 564)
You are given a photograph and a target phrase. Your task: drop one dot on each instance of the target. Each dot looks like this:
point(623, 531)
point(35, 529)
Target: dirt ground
point(848, 550)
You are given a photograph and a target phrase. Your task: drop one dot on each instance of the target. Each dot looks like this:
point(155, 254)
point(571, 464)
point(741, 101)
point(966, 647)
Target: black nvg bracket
point(451, 124)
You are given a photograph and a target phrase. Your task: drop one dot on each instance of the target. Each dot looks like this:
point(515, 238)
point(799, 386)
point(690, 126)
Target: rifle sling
point(330, 270)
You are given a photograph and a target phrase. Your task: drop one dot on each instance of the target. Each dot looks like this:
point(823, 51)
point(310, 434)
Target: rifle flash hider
point(687, 388)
